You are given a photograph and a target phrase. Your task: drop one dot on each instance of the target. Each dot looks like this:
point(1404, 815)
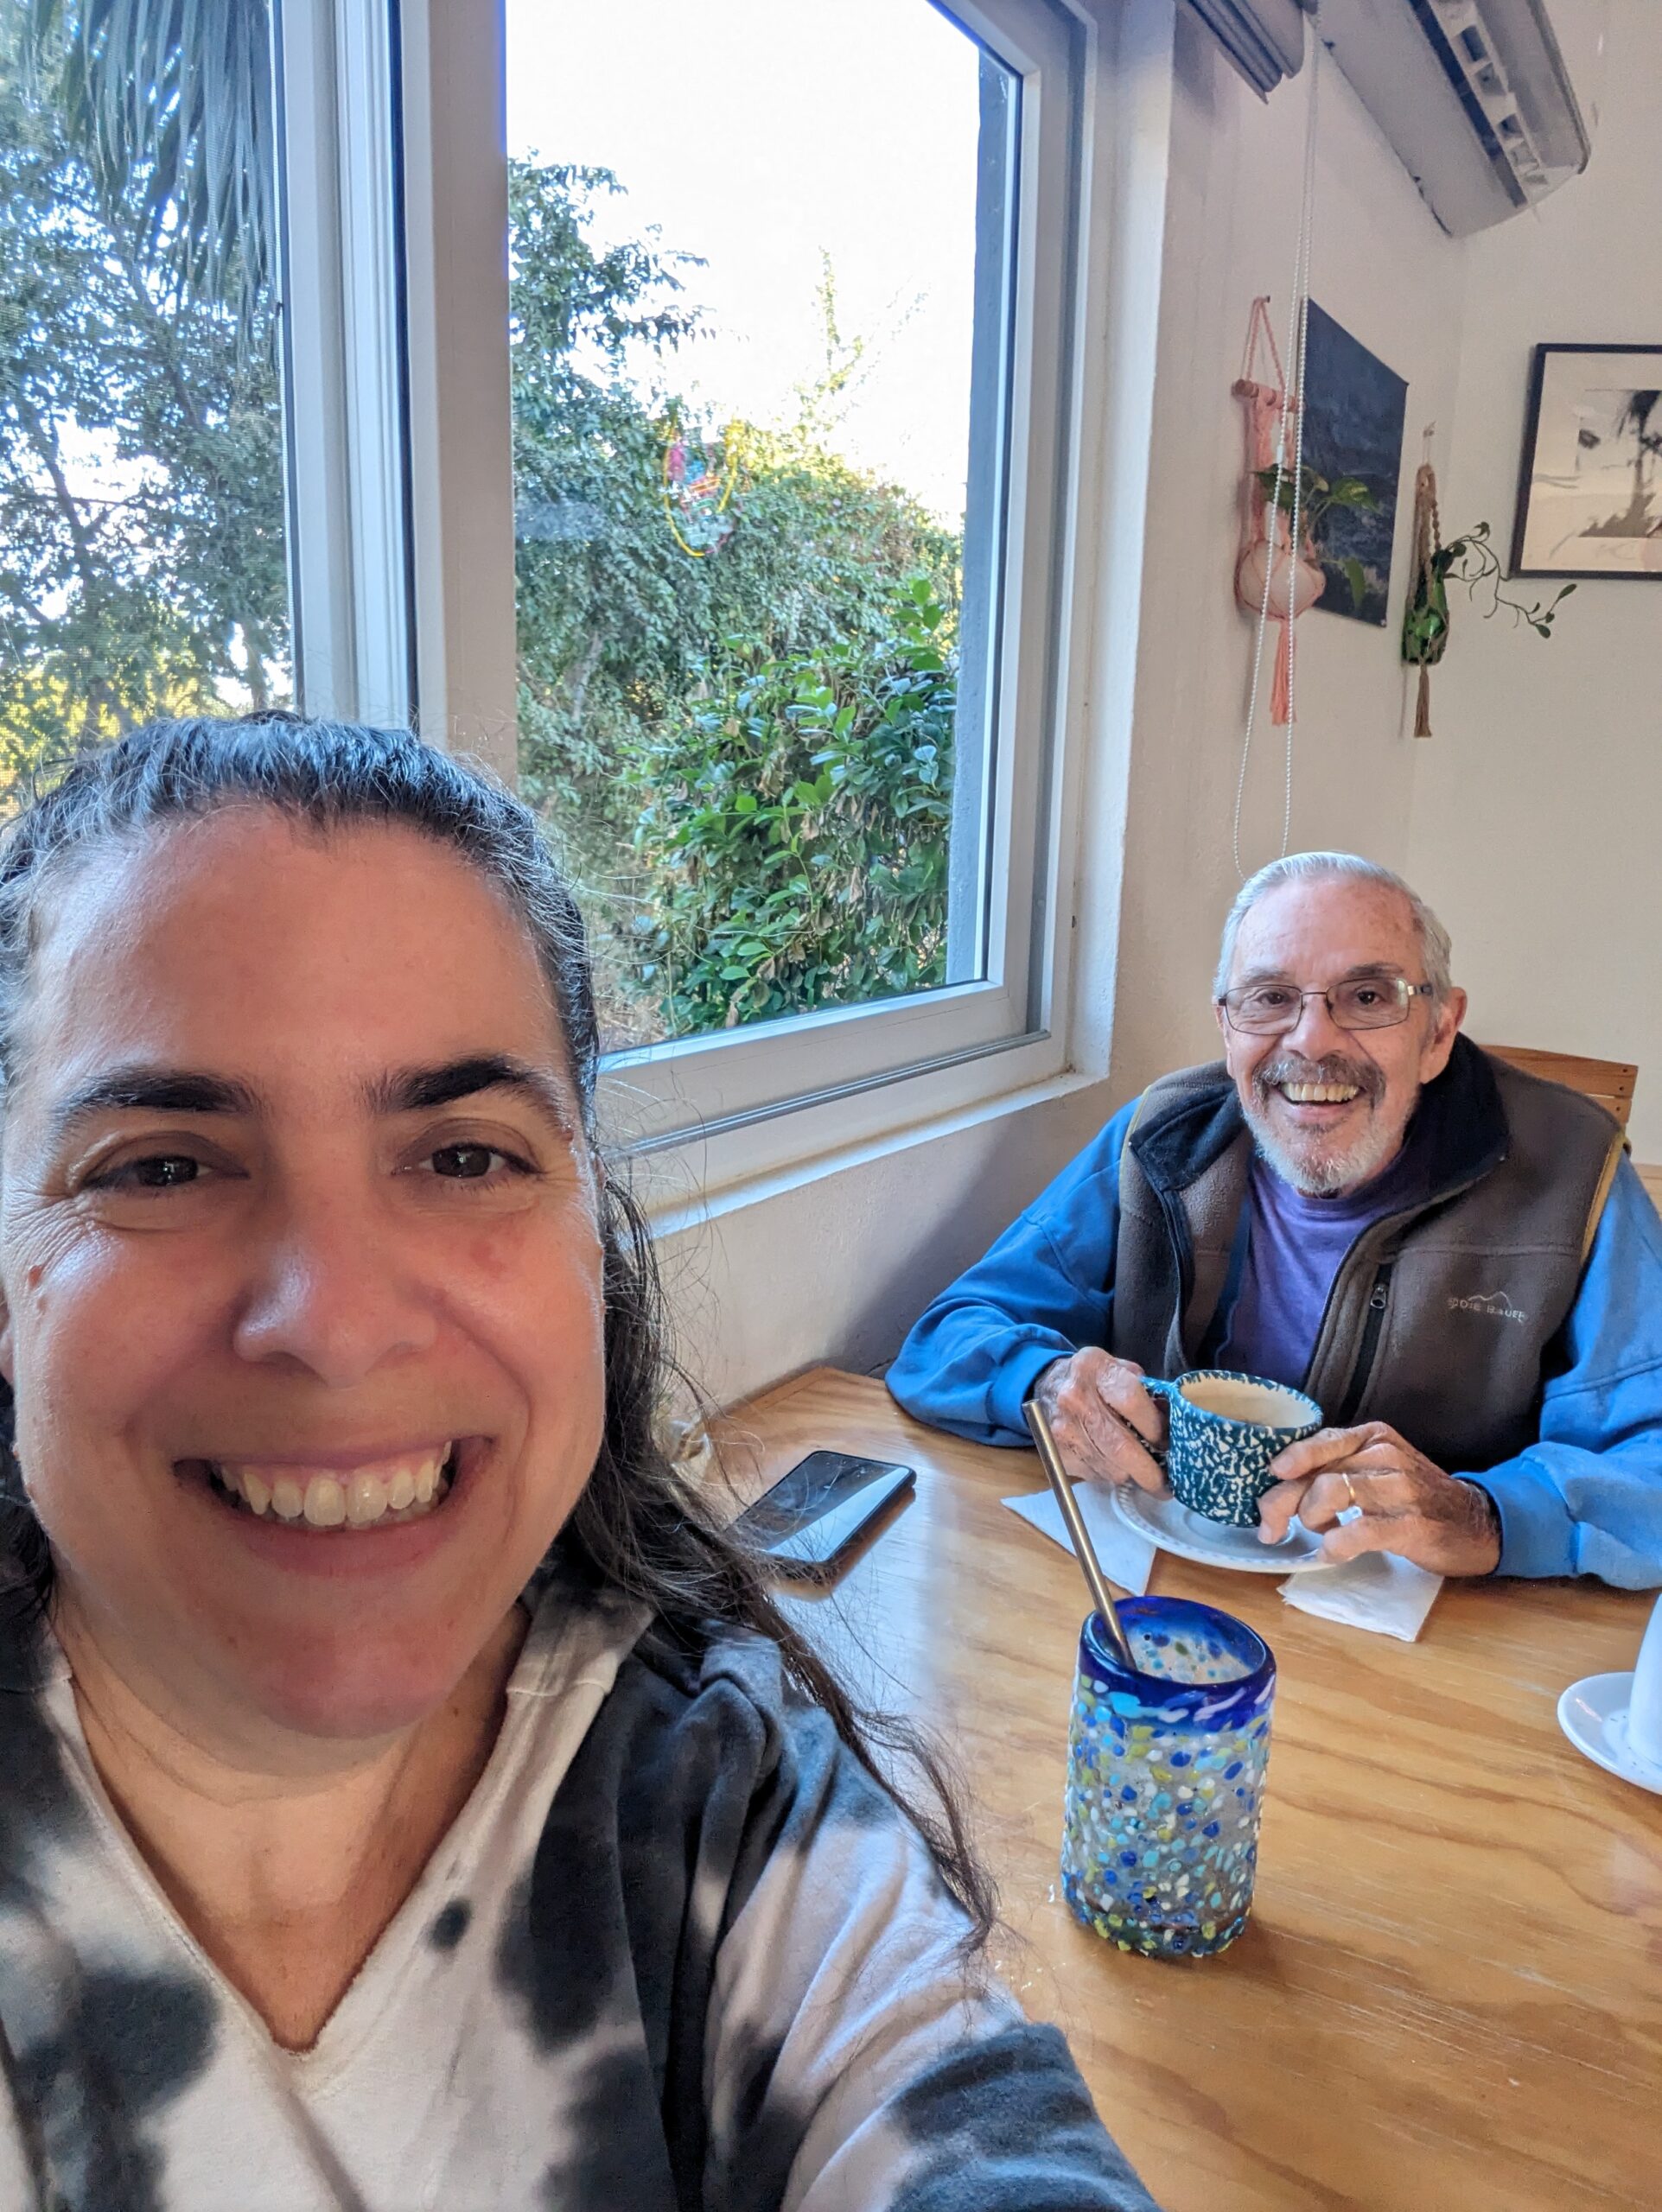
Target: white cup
point(1645, 1712)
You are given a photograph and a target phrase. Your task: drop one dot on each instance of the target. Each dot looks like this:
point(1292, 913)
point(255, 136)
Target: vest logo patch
point(1495, 1303)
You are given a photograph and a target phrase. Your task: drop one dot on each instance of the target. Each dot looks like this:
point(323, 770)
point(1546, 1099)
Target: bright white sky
point(754, 133)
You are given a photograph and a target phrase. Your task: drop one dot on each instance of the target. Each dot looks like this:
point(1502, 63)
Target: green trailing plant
point(1470, 560)
point(795, 824)
point(1318, 498)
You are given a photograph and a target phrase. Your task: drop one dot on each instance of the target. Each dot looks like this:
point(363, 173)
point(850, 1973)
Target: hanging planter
point(1425, 617)
point(1469, 560)
point(1270, 583)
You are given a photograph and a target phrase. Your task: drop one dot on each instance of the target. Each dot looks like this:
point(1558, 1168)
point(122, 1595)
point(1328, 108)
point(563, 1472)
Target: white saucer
point(1213, 1543)
point(1593, 1714)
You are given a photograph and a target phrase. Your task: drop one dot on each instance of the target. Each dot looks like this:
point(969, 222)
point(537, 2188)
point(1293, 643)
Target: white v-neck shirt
point(263, 2129)
point(678, 1953)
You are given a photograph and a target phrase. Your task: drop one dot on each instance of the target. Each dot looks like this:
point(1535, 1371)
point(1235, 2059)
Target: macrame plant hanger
point(1268, 580)
point(1425, 623)
point(1291, 581)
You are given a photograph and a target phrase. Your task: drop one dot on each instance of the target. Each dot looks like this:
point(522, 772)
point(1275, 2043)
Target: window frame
point(340, 266)
point(762, 1093)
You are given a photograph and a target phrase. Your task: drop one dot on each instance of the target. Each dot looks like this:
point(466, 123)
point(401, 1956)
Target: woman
point(406, 1799)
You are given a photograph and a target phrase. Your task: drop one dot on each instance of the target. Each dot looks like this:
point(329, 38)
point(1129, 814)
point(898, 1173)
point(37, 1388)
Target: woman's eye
point(469, 1163)
point(159, 1171)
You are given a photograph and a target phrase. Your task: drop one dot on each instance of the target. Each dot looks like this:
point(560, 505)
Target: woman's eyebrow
point(140, 1089)
point(415, 1090)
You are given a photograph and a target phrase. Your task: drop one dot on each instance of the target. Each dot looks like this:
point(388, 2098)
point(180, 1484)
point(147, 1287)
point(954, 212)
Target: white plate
point(1593, 1714)
point(1213, 1543)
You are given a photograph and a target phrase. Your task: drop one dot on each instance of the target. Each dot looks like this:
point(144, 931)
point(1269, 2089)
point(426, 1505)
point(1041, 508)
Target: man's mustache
point(1366, 1076)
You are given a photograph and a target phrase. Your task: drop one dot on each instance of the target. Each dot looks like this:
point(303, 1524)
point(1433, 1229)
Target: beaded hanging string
point(1292, 416)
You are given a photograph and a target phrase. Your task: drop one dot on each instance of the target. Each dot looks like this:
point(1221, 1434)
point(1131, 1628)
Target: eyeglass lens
point(1366, 1002)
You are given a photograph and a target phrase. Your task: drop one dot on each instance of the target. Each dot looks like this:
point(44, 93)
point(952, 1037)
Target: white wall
point(1384, 270)
point(836, 1265)
point(1536, 824)
point(1195, 196)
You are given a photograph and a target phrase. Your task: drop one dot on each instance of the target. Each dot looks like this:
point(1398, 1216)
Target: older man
point(1455, 1259)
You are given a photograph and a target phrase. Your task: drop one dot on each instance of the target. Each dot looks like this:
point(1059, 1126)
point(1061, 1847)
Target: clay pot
point(1309, 582)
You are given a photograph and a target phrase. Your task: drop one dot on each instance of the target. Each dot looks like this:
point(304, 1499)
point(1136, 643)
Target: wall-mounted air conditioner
point(1472, 94)
point(1265, 39)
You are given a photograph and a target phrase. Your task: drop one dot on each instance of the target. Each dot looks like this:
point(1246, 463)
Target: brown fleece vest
point(1443, 1320)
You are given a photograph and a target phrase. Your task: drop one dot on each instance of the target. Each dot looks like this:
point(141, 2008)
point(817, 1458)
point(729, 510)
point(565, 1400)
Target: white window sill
point(704, 1181)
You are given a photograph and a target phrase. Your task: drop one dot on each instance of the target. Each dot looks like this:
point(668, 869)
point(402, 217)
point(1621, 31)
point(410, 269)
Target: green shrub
point(794, 826)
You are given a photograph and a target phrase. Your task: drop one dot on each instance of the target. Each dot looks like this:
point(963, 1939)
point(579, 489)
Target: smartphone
point(813, 1514)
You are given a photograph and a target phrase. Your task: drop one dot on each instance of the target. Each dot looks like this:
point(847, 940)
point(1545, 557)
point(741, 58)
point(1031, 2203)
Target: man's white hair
point(1435, 948)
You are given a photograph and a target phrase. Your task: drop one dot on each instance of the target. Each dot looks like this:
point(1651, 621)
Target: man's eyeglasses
point(1365, 1002)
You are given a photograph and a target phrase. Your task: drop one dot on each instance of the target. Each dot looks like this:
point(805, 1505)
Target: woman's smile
point(347, 1528)
point(382, 1489)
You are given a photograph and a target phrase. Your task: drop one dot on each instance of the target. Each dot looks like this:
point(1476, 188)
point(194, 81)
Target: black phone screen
point(820, 1506)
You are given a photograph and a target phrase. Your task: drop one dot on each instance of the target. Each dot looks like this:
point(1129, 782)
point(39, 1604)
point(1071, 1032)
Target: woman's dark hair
point(638, 1526)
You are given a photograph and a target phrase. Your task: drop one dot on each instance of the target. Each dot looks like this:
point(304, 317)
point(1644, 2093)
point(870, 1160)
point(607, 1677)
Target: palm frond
point(171, 102)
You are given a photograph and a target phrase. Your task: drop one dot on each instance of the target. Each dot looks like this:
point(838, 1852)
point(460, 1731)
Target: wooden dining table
point(1448, 1997)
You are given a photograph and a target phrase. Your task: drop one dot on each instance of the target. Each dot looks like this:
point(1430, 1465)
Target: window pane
point(760, 327)
point(142, 532)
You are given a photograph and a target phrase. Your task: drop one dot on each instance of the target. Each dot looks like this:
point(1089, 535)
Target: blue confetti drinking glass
point(1165, 1778)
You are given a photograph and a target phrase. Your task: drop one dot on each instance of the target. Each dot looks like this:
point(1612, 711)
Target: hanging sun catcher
point(700, 475)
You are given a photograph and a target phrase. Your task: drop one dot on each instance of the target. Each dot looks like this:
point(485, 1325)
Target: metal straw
point(1050, 1460)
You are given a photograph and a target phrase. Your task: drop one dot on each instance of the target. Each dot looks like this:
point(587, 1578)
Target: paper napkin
point(1126, 1557)
point(1379, 1591)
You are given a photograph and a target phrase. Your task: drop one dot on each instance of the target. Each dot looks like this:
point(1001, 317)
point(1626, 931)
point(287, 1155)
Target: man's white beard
point(1319, 1171)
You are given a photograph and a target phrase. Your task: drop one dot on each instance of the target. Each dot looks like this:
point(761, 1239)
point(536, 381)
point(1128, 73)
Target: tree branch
point(162, 332)
point(45, 444)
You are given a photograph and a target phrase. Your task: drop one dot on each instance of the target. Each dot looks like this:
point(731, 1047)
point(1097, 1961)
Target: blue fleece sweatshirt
point(1585, 1499)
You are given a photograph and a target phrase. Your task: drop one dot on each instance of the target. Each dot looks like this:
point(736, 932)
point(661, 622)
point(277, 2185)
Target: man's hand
point(1097, 1407)
point(1409, 1506)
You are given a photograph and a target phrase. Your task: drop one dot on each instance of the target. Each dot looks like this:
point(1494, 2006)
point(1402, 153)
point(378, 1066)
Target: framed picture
point(1589, 493)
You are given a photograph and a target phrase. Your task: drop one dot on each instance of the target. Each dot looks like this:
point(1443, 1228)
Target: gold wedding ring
point(1350, 1486)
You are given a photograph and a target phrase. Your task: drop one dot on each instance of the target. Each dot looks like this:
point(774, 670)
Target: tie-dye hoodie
point(678, 1954)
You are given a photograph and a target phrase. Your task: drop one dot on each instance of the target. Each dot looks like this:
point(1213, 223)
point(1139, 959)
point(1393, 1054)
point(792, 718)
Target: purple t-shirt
point(1295, 1247)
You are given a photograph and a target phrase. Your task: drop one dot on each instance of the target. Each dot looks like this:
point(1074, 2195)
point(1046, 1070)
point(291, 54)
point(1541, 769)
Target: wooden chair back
point(1610, 1082)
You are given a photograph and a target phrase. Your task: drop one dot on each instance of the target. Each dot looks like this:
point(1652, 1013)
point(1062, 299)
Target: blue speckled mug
point(1223, 1430)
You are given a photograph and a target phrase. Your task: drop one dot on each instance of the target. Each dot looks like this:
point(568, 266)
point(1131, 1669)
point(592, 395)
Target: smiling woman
point(409, 1795)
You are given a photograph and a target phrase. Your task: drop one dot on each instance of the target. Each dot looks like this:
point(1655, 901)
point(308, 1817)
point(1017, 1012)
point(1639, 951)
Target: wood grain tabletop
point(1449, 1998)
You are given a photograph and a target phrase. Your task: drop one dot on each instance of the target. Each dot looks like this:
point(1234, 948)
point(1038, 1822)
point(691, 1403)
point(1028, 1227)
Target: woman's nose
point(329, 1291)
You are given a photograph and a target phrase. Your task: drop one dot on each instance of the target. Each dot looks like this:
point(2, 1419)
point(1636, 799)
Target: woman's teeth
point(391, 1491)
point(1317, 1094)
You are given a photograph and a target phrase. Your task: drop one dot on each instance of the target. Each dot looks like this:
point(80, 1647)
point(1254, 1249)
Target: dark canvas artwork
point(1355, 411)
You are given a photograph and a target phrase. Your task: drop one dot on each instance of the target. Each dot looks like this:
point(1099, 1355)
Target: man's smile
point(1315, 1094)
point(1318, 1094)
